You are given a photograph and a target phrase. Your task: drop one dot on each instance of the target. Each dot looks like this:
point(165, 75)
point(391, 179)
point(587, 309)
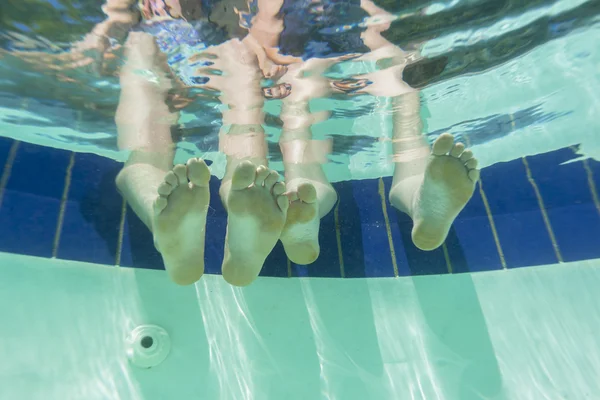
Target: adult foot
point(441, 193)
point(256, 208)
point(179, 220)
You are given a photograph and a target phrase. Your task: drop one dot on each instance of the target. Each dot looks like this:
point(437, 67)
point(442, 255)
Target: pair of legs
point(173, 201)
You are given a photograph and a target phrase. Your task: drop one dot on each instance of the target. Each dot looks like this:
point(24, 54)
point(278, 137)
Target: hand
point(96, 47)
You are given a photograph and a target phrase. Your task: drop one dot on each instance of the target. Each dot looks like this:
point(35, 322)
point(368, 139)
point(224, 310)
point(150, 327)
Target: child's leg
point(172, 202)
point(431, 186)
point(251, 192)
point(312, 196)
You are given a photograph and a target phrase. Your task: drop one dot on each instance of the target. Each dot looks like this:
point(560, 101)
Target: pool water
point(504, 309)
point(521, 334)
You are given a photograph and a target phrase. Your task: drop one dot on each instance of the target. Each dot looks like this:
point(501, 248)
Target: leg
point(172, 204)
point(432, 187)
point(251, 192)
point(311, 195)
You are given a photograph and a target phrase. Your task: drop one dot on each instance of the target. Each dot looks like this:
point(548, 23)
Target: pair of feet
point(260, 212)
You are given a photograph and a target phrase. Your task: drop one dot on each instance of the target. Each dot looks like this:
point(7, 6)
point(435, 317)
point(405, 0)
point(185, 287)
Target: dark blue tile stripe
point(364, 236)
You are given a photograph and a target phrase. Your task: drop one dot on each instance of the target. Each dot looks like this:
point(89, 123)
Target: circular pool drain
point(148, 346)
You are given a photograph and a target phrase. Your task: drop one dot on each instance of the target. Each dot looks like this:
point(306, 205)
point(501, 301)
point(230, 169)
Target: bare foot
point(257, 209)
point(300, 235)
point(179, 220)
point(441, 193)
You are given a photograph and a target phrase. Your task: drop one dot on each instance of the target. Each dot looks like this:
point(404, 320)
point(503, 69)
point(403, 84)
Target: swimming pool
point(504, 309)
point(522, 334)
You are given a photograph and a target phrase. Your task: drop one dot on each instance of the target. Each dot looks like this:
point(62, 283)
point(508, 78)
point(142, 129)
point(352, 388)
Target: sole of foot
point(300, 235)
point(256, 207)
point(443, 191)
point(179, 220)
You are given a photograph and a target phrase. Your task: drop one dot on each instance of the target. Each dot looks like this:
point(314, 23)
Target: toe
point(443, 144)
point(180, 172)
point(278, 189)
point(160, 204)
point(198, 172)
point(457, 150)
point(164, 189)
point(243, 176)
point(271, 180)
point(474, 175)
point(466, 156)
point(471, 164)
point(307, 192)
point(261, 174)
point(171, 179)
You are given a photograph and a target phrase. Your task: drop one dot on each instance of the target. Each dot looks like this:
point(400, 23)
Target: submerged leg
point(431, 186)
point(171, 201)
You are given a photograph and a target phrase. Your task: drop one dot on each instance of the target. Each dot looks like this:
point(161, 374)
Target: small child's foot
point(179, 220)
point(300, 236)
point(441, 193)
point(257, 209)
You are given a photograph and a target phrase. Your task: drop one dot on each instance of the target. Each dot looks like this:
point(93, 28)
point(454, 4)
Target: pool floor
point(528, 333)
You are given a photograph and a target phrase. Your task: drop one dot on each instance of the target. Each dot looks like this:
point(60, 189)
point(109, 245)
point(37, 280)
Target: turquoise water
point(522, 106)
point(519, 335)
point(517, 80)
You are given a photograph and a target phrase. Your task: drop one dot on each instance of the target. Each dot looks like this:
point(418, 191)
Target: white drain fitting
point(148, 346)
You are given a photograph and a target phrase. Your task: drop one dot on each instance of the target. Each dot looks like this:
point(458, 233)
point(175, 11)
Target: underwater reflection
point(242, 59)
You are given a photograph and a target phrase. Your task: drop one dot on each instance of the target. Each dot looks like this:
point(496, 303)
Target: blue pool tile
point(92, 173)
point(577, 231)
point(475, 208)
point(41, 165)
point(93, 212)
point(396, 233)
point(524, 239)
point(276, 263)
point(28, 223)
point(376, 243)
point(456, 254)
point(594, 167)
point(141, 245)
point(350, 230)
point(507, 188)
point(377, 263)
point(299, 271)
point(560, 185)
point(5, 145)
point(216, 228)
point(478, 244)
point(126, 256)
point(368, 200)
point(81, 241)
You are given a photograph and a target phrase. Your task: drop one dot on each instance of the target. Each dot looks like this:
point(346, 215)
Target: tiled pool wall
point(530, 211)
